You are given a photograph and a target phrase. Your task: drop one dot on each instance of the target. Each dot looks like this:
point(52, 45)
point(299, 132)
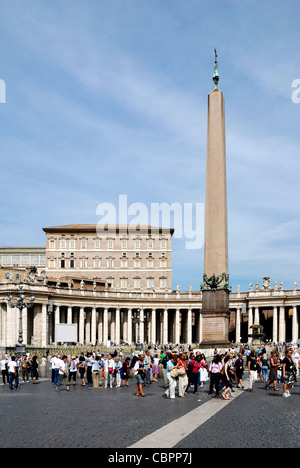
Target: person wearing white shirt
point(63, 373)
point(55, 369)
point(13, 368)
point(118, 367)
point(4, 371)
point(109, 371)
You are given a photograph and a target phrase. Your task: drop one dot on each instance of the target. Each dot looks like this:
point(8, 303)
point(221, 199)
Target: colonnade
point(164, 318)
point(98, 325)
point(283, 317)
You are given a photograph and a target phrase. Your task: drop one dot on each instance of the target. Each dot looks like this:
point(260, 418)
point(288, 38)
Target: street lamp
point(20, 304)
point(137, 319)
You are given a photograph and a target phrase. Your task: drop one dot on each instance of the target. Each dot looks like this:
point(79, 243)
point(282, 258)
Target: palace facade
point(126, 257)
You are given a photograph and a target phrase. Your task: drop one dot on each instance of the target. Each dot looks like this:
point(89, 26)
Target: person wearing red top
point(196, 366)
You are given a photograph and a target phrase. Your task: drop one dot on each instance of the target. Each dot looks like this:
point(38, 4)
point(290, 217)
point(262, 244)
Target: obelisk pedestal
point(215, 318)
point(215, 287)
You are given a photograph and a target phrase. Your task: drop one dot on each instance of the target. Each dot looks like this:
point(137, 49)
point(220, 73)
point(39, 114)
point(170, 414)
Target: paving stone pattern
point(39, 417)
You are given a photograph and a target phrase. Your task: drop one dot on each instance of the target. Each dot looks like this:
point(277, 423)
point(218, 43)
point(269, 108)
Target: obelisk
point(215, 287)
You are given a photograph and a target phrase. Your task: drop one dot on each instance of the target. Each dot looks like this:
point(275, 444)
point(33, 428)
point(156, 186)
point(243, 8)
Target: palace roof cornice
point(93, 228)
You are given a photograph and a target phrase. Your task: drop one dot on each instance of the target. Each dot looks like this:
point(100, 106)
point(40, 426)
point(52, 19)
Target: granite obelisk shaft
point(215, 288)
point(216, 228)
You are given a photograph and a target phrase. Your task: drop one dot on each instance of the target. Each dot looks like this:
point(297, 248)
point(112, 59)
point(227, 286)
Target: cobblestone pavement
point(262, 419)
point(39, 417)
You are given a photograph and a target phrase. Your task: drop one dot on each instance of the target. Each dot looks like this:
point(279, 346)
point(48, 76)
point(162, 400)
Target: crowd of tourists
point(182, 372)
point(14, 368)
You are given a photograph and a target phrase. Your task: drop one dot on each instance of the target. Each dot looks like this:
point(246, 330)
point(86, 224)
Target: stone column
point(88, 327)
point(295, 325)
point(37, 324)
point(12, 326)
point(238, 325)
point(57, 314)
point(125, 327)
point(189, 326)
point(250, 322)
point(256, 315)
point(44, 327)
point(153, 326)
point(275, 324)
point(129, 326)
point(165, 327)
point(282, 324)
point(94, 326)
point(105, 326)
point(112, 326)
point(117, 325)
point(4, 308)
point(69, 317)
point(142, 326)
point(81, 325)
point(100, 327)
point(25, 325)
point(177, 326)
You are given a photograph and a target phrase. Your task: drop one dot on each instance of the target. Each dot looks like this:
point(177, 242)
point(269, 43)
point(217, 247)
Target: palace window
point(149, 283)
point(150, 263)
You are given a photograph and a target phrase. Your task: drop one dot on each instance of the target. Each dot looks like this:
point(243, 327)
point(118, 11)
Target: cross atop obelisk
point(216, 77)
point(215, 287)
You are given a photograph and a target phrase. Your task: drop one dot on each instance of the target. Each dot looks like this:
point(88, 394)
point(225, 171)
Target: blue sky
point(105, 98)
